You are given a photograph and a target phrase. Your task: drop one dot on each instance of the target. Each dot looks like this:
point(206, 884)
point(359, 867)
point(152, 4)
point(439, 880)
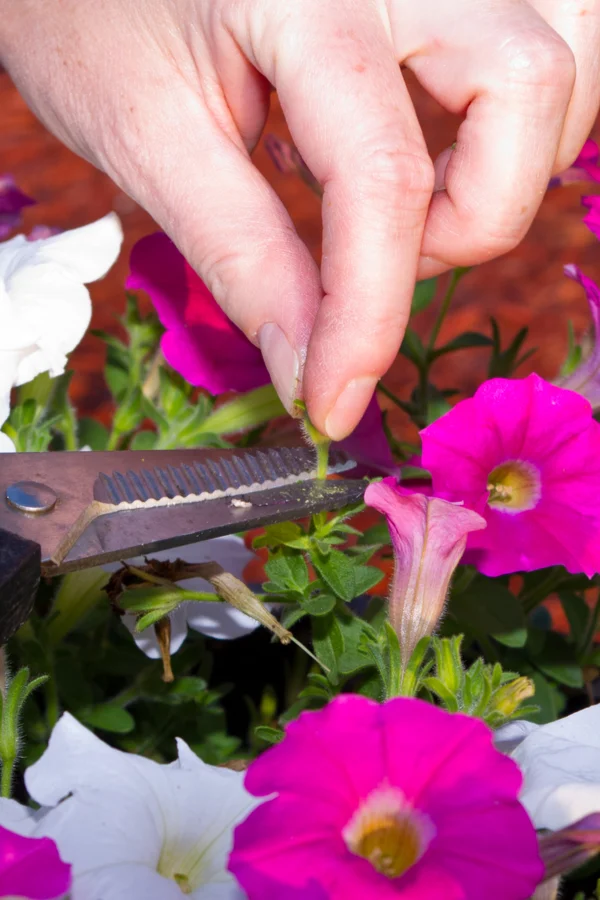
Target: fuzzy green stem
point(457, 274)
point(6, 778)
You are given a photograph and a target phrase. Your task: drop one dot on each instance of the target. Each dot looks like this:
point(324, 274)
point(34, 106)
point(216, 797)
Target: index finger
point(350, 115)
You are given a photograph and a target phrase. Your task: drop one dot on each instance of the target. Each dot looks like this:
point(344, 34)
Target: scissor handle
point(20, 562)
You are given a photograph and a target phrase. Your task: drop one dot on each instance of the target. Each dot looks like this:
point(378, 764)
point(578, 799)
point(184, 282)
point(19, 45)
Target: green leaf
point(276, 535)
point(556, 659)
point(269, 735)
point(338, 571)
point(577, 613)
point(574, 354)
point(352, 661)
point(108, 717)
point(144, 440)
point(365, 578)
point(412, 348)
point(549, 701)
point(328, 642)
point(92, 434)
point(423, 295)
point(319, 605)
point(462, 342)
point(288, 571)
point(489, 609)
point(246, 411)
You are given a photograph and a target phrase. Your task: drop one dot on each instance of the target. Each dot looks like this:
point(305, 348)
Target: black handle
point(20, 562)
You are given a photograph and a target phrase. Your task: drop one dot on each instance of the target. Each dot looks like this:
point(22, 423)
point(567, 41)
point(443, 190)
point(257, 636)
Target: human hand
point(169, 98)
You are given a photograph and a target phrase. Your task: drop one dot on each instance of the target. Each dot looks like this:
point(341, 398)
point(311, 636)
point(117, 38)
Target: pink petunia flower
point(31, 867)
point(399, 800)
point(585, 379)
point(592, 218)
point(429, 537)
point(585, 167)
point(12, 201)
point(525, 455)
point(209, 351)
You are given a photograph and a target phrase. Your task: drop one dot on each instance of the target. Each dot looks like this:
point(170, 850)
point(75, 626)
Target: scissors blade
point(106, 506)
point(140, 532)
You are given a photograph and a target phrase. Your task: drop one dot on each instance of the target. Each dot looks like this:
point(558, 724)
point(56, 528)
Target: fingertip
point(348, 408)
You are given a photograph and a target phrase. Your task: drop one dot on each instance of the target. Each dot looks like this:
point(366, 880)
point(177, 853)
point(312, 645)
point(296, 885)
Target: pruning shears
point(64, 511)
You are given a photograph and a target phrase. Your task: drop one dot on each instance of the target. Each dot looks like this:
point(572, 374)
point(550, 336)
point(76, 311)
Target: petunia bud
point(428, 537)
point(571, 847)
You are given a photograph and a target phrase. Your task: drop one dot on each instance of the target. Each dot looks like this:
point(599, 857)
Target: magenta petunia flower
point(12, 201)
point(200, 342)
point(585, 379)
point(31, 867)
point(429, 537)
point(585, 167)
point(209, 351)
point(525, 455)
point(592, 218)
point(399, 800)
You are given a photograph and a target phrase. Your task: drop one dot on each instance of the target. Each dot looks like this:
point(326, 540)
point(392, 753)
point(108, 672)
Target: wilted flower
point(571, 847)
point(585, 378)
point(30, 867)
point(216, 620)
point(585, 167)
point(429, 537)
point(209, 351)
point(44, 306)
point(12, 201)
point(288, 160)
point(526, 456)
point(395, 800)
point(131, 827)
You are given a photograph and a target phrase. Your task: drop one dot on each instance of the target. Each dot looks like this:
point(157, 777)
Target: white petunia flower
point(45, 307)
point(129, 826)
point(216, 620)
point(6, 445)
point(561, 767)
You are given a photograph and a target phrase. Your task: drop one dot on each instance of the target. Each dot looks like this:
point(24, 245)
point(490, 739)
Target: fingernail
point(349, 407)
point(282, 362)
point(439, 167)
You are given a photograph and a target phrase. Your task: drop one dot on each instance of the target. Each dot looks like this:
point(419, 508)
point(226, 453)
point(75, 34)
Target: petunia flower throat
point(389, 832)
point(514, 486)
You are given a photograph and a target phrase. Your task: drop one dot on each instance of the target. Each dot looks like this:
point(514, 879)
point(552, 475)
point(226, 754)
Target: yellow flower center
point(389, 832)
point(514, 486)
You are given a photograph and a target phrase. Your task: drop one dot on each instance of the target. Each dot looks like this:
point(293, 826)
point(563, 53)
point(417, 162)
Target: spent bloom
point(12, 201)
point(209, 351)
point(45, 307)
point(216, 620)
point(429, 537)
point(131, 827)
point(525, 455)
point(585, 378)
point(30, 867)
point(400, 799)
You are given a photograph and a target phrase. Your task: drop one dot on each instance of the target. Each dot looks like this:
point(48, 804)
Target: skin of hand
point(170, 96)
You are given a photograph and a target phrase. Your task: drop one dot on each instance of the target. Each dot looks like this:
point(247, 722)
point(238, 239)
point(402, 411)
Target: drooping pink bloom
point(31, 868)
point(592, 218)
point(585, 378)
point(525, 455)
point(209, 351)
point(429, 537)
point(12, 201)
point(200, 342)
point(571, 847)
point(585, 167)
point(398, 800)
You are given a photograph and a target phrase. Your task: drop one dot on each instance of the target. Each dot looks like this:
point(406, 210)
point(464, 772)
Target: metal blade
point(142, 531)
point(67, 485)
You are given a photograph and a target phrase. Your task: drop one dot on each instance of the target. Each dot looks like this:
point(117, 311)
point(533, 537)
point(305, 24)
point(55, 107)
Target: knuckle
point(539, 59)
point(399, 173)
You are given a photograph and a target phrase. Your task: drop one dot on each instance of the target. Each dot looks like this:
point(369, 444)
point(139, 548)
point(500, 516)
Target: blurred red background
point(526, 287)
